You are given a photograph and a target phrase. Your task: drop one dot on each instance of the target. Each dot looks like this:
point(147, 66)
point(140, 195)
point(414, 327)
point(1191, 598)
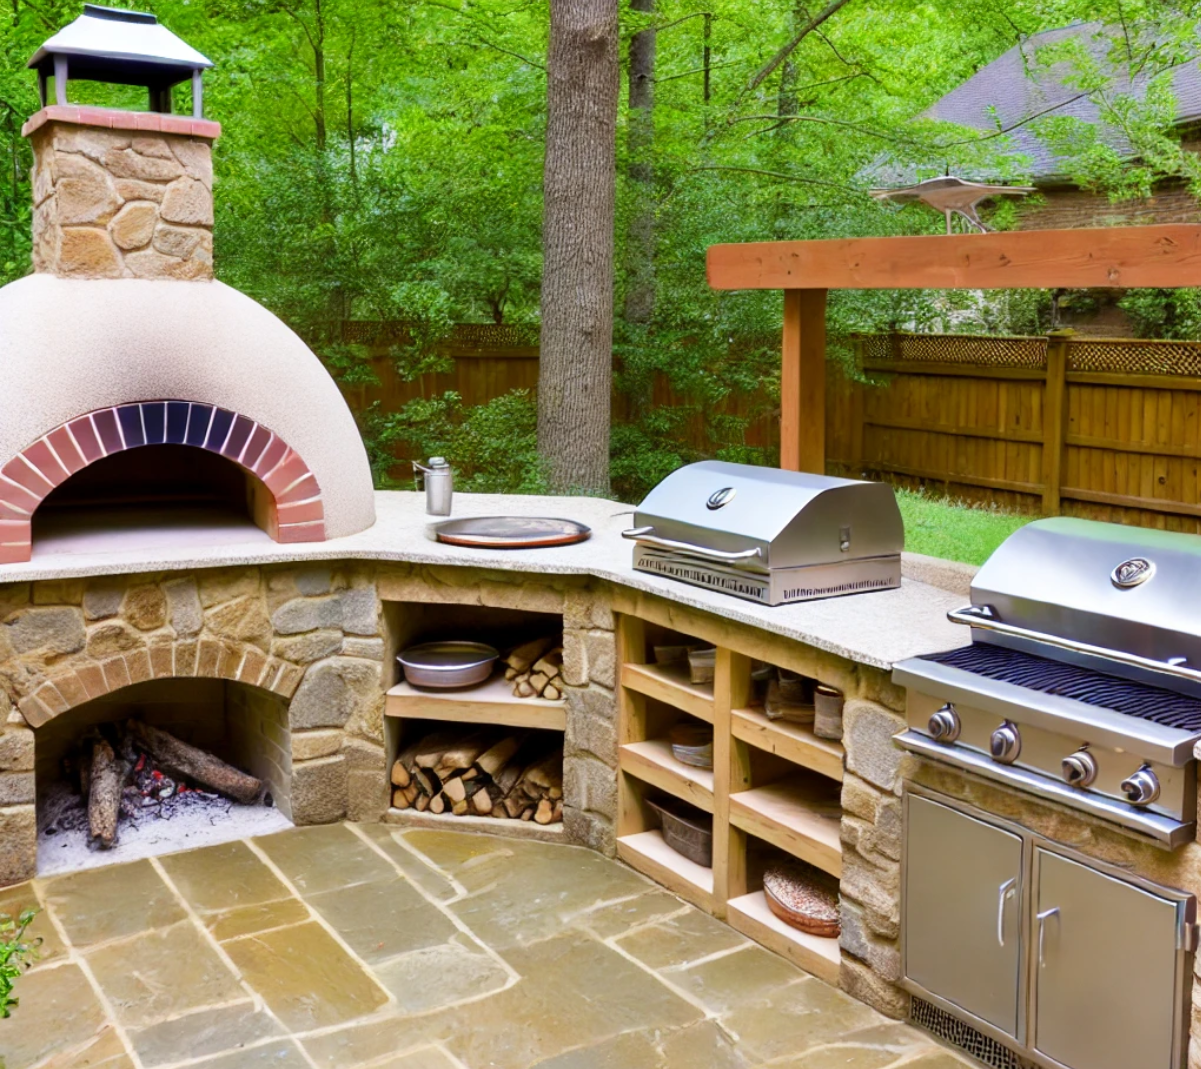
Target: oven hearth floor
point(364, 945)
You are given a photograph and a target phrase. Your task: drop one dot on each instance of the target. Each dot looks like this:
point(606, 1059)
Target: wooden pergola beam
point(1157, 257)
point(1160, 257)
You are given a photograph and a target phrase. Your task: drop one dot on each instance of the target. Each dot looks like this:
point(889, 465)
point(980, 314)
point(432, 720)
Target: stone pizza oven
point(136, 382)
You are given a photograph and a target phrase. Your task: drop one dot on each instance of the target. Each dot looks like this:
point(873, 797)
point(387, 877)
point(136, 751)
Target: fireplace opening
point(176, 490)
point(161, 808)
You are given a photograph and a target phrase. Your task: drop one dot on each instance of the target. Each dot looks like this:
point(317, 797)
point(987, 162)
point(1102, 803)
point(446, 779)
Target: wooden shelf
point(489, 703)
point(800, 815)
point(750, 915)
point(793, 742)
point(649, 854)
point(653, 762)
point(670, 683)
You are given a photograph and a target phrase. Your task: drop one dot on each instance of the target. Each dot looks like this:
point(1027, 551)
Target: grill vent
point(1141, 700)
point(949, 1029)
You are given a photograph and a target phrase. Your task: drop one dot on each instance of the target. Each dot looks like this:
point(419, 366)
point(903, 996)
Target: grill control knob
point(1005, 744)
point(944, 725)
point(1141, 788)
point(1080, 768)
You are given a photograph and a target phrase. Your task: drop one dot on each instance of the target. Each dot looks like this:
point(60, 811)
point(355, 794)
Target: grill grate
point(1141, 700)
point(949, 1029)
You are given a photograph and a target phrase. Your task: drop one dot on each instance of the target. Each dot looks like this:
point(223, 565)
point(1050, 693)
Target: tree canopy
point(382, 159)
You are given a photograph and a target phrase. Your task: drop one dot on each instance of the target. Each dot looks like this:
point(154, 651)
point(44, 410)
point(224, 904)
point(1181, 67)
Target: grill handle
point(985, 618)
point(643, 534)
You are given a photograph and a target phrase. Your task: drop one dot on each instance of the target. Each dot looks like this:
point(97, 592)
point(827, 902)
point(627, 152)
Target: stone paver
point(350, 946)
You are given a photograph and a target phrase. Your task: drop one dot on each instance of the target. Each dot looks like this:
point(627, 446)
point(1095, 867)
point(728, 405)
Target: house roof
point(1016, 89)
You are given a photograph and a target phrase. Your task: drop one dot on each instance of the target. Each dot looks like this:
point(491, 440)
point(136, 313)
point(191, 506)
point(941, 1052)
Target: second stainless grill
point(768, 535)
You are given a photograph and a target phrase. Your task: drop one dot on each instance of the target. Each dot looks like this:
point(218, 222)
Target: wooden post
point(632, 815)
point(857, 399)
point(803, 382)
point(1055, 418)
point(731, 774)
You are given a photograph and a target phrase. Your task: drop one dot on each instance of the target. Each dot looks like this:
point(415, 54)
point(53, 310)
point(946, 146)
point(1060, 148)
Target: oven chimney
point(121, 194)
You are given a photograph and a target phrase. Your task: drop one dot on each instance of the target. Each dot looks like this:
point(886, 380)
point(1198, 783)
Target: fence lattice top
point(956, 349)
point(1135, 357)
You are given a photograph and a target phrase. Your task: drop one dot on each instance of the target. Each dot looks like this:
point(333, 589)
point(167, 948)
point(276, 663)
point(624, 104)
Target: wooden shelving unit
point(772, 782)
point(491, 703)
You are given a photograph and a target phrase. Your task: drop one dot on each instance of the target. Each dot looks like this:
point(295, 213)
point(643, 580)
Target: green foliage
point(493, 447)
point(1164, 313)
point(382, 161)
point(17, 953)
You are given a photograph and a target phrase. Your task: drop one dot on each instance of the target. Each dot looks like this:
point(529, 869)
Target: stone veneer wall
point(309, 635)
point(122, 195)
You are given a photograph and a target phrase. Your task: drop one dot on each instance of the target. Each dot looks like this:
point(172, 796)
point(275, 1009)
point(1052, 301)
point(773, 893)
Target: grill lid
point(1122, 599)
point(758, 519)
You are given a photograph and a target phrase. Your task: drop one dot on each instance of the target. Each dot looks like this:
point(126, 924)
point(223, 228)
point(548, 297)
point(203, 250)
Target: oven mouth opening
point(155, 495)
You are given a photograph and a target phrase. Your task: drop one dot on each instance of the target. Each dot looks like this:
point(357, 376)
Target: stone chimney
point(122, 195)
point(119, 194)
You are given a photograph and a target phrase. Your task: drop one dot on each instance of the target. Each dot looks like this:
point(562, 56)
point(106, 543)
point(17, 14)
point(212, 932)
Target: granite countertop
point(876, 629)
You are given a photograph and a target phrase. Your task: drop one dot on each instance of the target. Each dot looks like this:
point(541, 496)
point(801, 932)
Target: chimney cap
point(124, 47)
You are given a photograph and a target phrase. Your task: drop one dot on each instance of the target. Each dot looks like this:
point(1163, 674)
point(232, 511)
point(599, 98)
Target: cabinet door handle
point(1004, 893)
point(1042, 919)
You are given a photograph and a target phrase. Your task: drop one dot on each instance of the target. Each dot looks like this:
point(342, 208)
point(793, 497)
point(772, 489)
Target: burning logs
point(139, 766)
point(485, 773)
point(190, 763)
point(536, 669)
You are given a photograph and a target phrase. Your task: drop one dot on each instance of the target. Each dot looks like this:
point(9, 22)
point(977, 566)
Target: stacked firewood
point(487, 773)
point(536, 669)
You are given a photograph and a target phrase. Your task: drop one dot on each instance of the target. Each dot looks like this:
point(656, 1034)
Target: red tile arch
point(295, 512)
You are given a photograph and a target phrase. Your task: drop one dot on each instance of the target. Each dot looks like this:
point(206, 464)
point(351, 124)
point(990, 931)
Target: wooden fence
point(1106, 429)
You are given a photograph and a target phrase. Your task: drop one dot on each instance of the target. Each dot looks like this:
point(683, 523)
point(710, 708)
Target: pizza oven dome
point(98, 363)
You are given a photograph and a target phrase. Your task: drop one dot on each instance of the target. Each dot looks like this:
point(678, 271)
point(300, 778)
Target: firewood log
point(482, 802)
point(538, 681)
point(526, 654)
point(552, 693)
point(510, 672)
point(458, 753)
point(555, 793)
point(454, 789)
point(438, 803)
point(557, 815)
point(104, 798)
point(428, 781)
point(399, 799)
point(527, 813)
point(551, 663)
point(496, 757)
point(514, 806)
point(400, 774)
point(188, 762)
point(422, 803)
point(524, 689)
point(544, 813)
point(459, 808)
point(507, 778)
point(546, 773)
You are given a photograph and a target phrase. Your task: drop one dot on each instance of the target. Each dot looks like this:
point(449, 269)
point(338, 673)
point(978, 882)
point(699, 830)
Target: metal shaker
point(439, 485)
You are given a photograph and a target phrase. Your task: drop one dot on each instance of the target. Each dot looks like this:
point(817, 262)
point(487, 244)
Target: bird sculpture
point(952, 196)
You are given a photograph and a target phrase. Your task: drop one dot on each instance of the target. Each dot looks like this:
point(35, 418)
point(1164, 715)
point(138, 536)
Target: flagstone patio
point(364, 945)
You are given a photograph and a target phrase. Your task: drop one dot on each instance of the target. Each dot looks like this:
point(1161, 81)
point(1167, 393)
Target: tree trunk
point(104, 795)
point(640, 141)
point(576, 367)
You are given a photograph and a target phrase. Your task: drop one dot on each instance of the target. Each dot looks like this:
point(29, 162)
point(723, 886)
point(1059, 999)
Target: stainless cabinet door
point(1104, 969)
point(962, 911)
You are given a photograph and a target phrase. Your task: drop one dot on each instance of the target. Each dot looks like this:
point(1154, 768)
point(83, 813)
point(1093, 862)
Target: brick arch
point(294, 511)
point(81, 678)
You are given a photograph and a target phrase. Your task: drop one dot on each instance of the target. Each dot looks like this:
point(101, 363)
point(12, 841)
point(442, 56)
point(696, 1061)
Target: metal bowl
point(448, 664)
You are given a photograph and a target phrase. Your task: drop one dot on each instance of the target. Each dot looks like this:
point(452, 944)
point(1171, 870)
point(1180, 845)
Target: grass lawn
point(943, 527)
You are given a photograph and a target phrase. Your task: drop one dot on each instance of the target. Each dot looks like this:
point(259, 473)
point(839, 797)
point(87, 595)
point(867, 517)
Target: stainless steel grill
point(1083, 680)
point(768, 535)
